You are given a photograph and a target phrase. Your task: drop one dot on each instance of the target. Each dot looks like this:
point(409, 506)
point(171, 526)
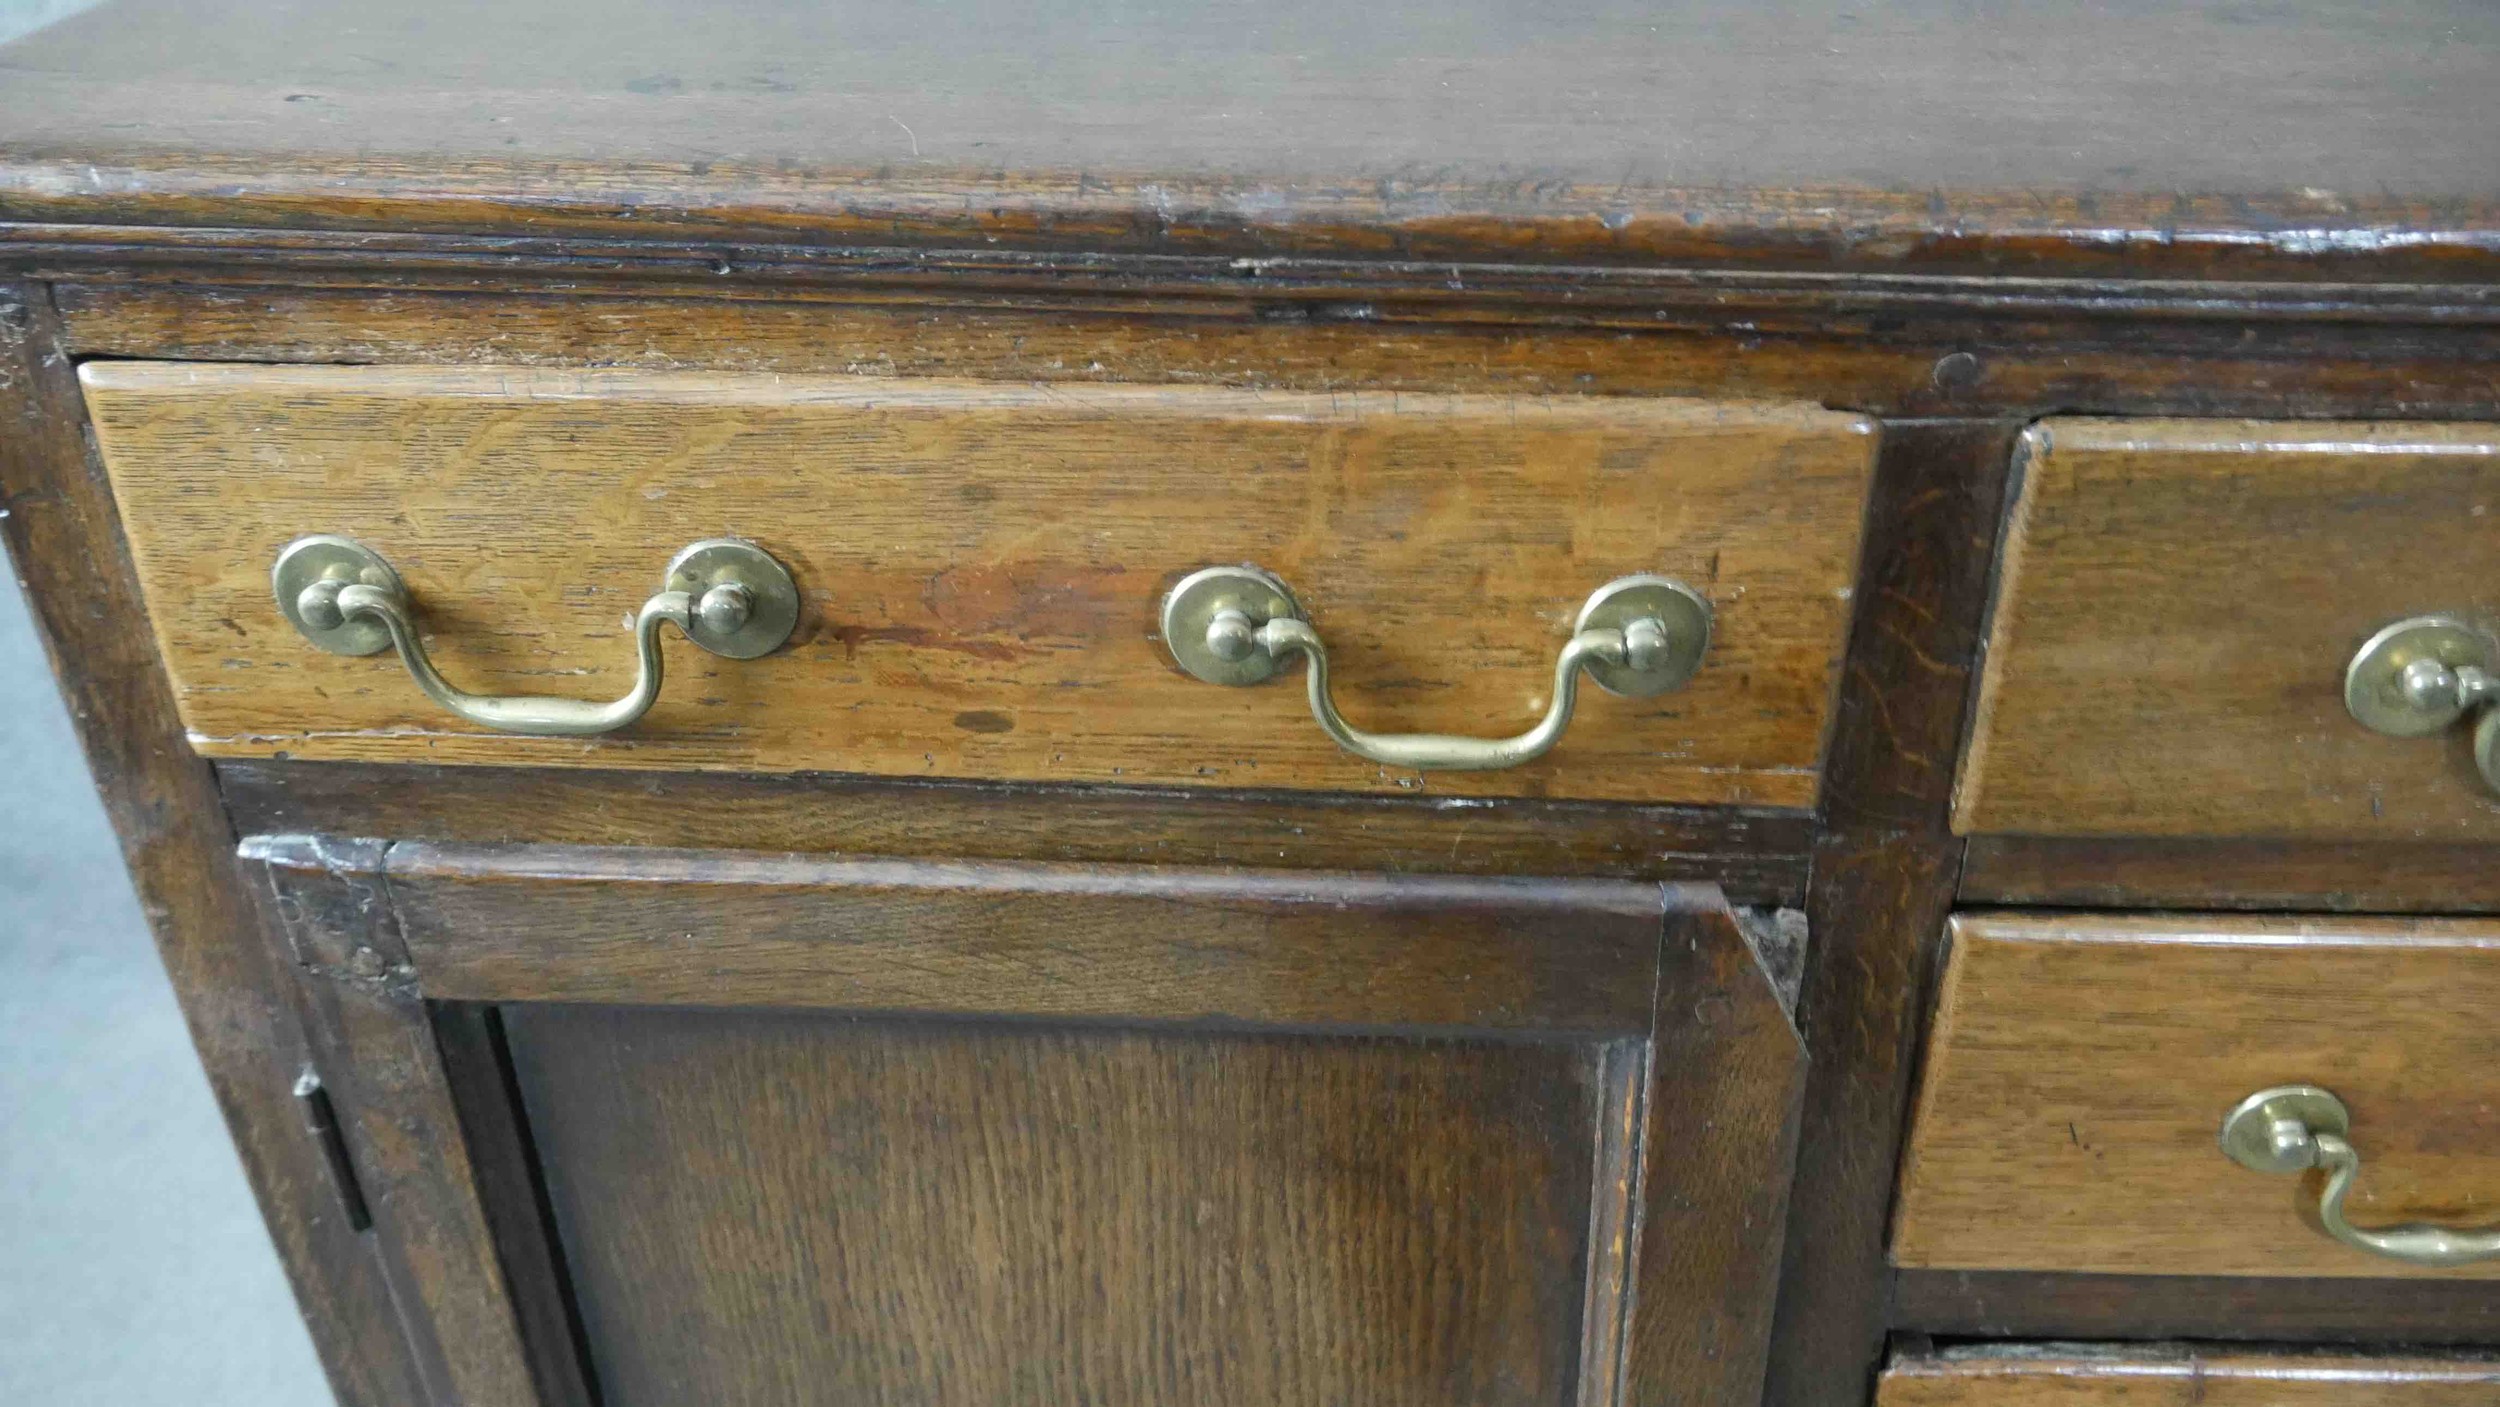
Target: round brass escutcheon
point(1679, 608)
point(2259, 1133)
point(717, 572)
point(2375, 682)
point(307, 577)
point(1194, 603)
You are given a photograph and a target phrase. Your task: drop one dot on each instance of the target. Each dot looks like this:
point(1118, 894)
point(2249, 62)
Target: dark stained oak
point(774, 1208)
point(1171, 1134)
point(647, 926)
point(1600, 131)
point(511, 1196)
point(2187, 873)
point(1755, 856)
point(1881, 887)
point(455, 1230)
point(63, 537)
point(1904, 346)
point(1725, 1075)
point(2037, 1304)
point(1951, 220)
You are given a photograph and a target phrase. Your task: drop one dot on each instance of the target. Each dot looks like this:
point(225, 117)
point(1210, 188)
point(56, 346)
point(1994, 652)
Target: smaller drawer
point(2080, 1069)
point(2158, 1375)
point(2178, 605)
point(979, 568)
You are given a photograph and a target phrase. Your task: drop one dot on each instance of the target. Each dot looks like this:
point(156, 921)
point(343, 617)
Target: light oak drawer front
point(2155, 1375)
point(2178, 604)
point(981, 568)
point(2080, 1069)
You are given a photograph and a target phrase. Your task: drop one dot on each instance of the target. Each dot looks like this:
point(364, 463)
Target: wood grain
point(983, 564)
point(1724, 1076)
point(1881, 885)
point(447, 1258)
point(2299, 137)
point(644, 926)
point(2177, 604)
point(2163, 1375)
point(1646, 1096)
point(1644, 1009)
point(1755, 856)
point(767, 1208)
point(503, 1167)
point(2079, 1068)
point(64, 542)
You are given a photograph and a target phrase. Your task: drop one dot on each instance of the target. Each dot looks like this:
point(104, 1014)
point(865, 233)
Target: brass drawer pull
point(1638, 636)
point(2293, 1128)
point(2418, 676)
point(729, 597)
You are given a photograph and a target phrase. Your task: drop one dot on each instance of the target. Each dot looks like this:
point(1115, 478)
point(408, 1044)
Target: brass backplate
point(2248, 1130)
point(1671, 603)
point(1199, 597)
point(308, 561)
point(772, 597)
point(2373, 681)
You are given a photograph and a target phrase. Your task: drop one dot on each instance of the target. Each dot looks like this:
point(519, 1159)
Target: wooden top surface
point(1596, 130)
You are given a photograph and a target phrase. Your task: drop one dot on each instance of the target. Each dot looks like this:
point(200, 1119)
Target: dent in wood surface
point(982, 564)
point(2079, 1067)
point(2177, 604)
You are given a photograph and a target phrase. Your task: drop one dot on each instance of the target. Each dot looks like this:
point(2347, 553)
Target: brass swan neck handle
point(2293, 1128)
point(729, 597)
point(1638, 635)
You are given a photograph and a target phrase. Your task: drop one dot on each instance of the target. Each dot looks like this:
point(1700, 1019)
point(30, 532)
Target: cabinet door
point(813, 1130)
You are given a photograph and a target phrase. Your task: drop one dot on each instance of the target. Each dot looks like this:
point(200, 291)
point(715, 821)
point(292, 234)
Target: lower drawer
point(2154, 1375)
point(2082, 1070)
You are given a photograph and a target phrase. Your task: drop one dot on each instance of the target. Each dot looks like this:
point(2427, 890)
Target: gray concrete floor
point(133, 1265)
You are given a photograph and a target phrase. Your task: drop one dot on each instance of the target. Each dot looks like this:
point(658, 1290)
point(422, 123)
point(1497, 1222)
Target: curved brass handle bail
point(2420, 675)
point(1638, 635)
point(730, 597)
point(2293, 1128)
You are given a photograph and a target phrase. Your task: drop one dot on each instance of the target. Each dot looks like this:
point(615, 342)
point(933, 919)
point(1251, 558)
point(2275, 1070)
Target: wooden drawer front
point(2079, 1070)
point(2177, 605)
point(982, 567)
point(2074, 1375)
